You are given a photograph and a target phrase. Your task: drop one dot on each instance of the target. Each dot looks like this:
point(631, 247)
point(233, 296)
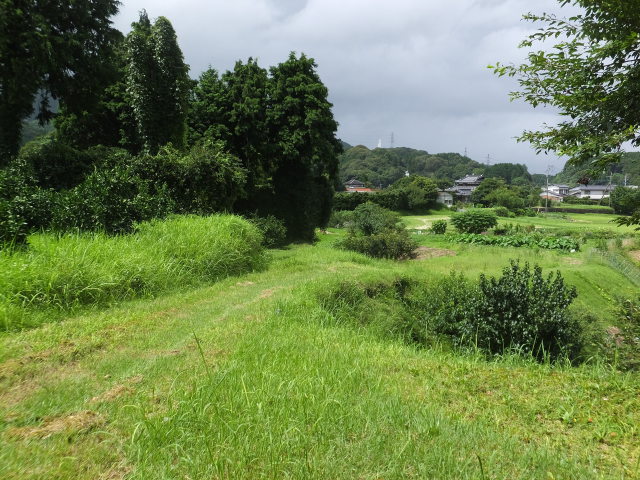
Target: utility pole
point(546, 194)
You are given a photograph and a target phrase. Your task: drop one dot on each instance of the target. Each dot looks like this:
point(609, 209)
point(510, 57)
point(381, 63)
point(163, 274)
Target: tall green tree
point(109, 120)
point(246, 89)
point(302, 129)
point(157, 83)
point(233, 108)
point(591, 75)
point(208, 109)
point(50, 49)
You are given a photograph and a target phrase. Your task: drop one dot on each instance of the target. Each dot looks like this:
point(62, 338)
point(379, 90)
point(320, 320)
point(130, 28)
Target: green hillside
point(383, 166)
point(629, 166)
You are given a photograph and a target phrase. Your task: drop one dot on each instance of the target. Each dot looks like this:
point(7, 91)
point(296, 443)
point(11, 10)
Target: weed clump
point(60, 273)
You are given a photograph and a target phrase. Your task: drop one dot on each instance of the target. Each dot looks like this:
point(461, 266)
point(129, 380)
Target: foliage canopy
point(592, 75)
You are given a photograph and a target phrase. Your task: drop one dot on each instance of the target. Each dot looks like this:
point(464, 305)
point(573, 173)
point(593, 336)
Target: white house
point(446, 198)
point(594, 192)
point(560, 189)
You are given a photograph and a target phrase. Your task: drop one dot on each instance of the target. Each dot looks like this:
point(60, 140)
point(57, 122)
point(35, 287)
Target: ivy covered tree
point(302, 129)
point(157, 83)
point(51, 51)
point(110, 120)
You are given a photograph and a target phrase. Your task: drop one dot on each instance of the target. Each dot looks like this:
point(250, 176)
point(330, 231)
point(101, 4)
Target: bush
point(439, 227)
point(392, 244)
point(376, 231)
point(349, 200)
point(59, 273)
point(370, 218)
point(523, 310)
point(24, 207)
point(54, 164)
point(503, 212)
point(274, 233)
point(519, 311)
point(111, 201)
point(203, 181)
point(474, 221)
point(341, 219)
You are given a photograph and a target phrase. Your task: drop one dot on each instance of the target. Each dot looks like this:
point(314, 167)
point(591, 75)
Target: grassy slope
point(275, 387)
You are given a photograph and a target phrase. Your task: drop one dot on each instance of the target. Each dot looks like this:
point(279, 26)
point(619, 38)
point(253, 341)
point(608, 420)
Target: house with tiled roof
point(464, 187)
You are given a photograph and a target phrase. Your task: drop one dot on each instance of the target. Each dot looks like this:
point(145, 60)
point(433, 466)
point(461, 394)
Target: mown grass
point(261, 377)
point(62, 273)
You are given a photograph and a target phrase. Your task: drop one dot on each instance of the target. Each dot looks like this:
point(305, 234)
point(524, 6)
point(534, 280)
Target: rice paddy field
point(253, 374)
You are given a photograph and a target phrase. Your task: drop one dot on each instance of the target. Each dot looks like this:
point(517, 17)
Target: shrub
point(502, 212)
point(523, 310)
point(274, 233)
point(376, 231)
point(520, 311)
point(474, 221)
point(392, 244)
point(111, 200)
point(370, 218)
point(439, 227)
point(341, 219)
point(203, 181)
point(441, 309)
point(349, 200)
point(24, 207)
point(54, 164)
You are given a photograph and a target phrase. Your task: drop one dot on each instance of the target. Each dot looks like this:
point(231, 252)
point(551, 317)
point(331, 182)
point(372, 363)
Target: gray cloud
point(413, 67)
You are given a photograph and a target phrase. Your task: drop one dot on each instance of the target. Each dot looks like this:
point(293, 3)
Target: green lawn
point(257, 377)
point(563, 221)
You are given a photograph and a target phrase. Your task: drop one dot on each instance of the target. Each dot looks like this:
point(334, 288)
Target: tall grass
point(60, 273)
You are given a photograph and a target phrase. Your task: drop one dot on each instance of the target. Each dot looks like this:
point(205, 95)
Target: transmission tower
point(391, 143)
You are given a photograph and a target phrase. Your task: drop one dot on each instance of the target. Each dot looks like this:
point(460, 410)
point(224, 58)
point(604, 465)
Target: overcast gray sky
point(416, 68)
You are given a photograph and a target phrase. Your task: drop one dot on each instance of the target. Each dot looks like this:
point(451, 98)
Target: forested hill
point(383, 166)
point(629, 166)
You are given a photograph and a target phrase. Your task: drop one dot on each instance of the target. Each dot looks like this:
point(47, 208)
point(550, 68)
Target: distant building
point(445, 198)
point(551, 196)
point(594, 192)
point(559, 189)
point(465, 186)
point(353, 183)
point(356, 186)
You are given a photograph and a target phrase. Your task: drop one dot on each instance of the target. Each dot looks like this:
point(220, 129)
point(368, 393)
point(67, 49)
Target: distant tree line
point(382, 167)
point(135, 137)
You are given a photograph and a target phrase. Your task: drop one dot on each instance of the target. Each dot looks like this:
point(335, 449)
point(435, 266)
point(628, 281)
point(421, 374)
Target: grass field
point(256, 377)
